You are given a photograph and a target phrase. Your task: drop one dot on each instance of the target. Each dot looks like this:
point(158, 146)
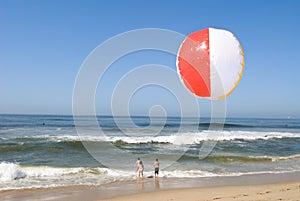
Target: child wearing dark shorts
point(156, 167)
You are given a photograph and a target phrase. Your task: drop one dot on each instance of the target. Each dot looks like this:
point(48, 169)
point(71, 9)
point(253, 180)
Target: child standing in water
point(140, 168)
point(137, 164)
point(156, 168)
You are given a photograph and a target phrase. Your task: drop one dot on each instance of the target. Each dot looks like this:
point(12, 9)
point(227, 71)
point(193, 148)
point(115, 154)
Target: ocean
point(44, 151)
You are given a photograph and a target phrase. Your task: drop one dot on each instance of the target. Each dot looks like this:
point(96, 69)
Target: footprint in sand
point(263, 193)
point(243, 195)
point(283, 190)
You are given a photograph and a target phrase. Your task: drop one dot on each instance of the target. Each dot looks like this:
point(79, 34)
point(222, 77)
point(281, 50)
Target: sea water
point(42, 151)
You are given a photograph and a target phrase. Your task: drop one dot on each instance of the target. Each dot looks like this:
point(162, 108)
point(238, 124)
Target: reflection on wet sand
point(157, 186)
point(140, 185)
point(141, 182)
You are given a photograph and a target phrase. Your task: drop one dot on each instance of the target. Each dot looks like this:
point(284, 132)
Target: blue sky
point(44, 43)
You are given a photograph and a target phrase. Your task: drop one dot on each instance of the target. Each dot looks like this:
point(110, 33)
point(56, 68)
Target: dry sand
point(272, 192)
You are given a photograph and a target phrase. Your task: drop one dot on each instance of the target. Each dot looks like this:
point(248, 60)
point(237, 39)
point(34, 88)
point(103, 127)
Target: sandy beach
point(278, 191)
point(271, 192)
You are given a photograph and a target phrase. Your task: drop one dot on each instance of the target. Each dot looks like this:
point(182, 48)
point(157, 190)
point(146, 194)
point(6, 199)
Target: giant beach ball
point(210, 63)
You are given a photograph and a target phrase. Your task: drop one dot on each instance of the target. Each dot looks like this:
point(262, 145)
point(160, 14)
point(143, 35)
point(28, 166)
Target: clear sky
point(44, 43)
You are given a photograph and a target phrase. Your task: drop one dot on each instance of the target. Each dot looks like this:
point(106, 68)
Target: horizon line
point(136, 115)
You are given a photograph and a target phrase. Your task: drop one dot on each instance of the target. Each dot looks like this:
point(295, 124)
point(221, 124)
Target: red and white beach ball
point(210, 63)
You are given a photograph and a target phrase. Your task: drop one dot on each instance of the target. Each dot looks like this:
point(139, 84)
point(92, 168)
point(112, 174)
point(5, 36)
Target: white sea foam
point(13, 176)
point(188, 174)
point(283, 158)
point(177, 139)
point(10, 171)
point(198, 137)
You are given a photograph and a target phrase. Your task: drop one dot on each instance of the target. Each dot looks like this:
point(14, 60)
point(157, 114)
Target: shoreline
point(157, 187)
